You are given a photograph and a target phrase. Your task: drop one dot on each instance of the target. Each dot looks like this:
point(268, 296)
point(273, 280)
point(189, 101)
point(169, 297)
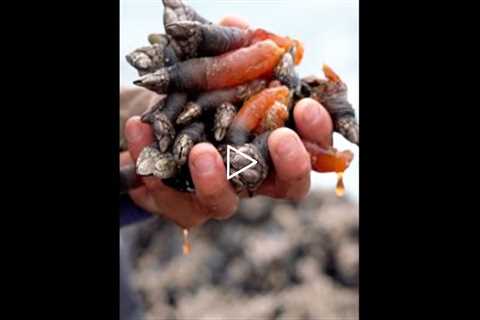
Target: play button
point(230, 175)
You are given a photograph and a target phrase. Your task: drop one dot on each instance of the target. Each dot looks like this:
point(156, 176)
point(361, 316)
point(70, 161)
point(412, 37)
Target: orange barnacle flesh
point(328, 160)
point(300, 51)
point(330, 74)
point(255, 109)
point(283, 42)
point(275, 117)
point(243, 65)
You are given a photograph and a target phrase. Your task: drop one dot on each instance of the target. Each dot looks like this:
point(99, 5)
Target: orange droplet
point(186, 243)
point(340, 189)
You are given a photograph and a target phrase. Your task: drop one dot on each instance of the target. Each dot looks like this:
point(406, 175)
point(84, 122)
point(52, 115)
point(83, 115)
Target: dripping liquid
point(186, 243)
point(340, 189)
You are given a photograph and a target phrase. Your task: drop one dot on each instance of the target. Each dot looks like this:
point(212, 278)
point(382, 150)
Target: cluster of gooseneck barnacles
point(229, 86)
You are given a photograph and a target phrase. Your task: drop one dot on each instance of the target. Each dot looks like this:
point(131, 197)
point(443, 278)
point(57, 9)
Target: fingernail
point(312, 115)
point(289, 148)
point(133, 133)
point(205, 163)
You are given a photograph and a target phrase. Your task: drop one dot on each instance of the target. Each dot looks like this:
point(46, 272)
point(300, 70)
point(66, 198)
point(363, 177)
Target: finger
point(213, 190)
point(313, 122)
point(142, 198)
point(178, 207)
point(125, 158)
point(231, 21)
point(292, 164)
point(267, 188)
point(138, 135)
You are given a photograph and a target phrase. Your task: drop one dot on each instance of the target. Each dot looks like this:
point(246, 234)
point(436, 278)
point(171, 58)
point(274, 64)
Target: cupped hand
point(214, 197)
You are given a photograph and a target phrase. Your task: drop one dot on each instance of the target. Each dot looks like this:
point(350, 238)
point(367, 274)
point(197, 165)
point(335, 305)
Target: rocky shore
point(273, 260)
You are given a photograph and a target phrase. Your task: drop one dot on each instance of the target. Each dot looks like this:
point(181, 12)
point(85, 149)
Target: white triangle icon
point(253, 162)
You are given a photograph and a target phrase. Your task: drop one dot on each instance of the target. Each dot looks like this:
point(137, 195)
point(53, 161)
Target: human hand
point(214, 197)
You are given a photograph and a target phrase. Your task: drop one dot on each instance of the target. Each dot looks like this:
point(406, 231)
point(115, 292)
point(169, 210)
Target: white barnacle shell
point(146, 161)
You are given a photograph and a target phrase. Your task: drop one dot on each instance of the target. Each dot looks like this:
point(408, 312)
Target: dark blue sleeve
point(130, 213)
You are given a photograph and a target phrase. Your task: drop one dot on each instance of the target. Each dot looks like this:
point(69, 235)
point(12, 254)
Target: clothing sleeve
point(130, 213)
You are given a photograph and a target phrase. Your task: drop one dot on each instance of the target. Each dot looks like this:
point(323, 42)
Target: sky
point(328, 29)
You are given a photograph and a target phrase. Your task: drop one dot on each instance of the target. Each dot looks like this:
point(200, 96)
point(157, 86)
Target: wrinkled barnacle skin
point(148, 59)
point(161, 115)
point(205, 40)
point(348, 127)
point(149, 115)
point(214, 99)
point(285, 72)
point(197, 39)
point(177, 10)
point(332, 94)
point(220, 72)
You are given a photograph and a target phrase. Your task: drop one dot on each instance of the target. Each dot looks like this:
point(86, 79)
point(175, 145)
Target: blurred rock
point(272, 260)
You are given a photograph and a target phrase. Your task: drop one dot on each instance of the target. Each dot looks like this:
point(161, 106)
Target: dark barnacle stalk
point(149, 115)
point(219, 72)
point(163, 52)
point(213, 99)
point(202, 40)
point(332, 94)
point(162, 119)
point(285, 72)
point(177, 10)
point(185, 141)
point(147, 59)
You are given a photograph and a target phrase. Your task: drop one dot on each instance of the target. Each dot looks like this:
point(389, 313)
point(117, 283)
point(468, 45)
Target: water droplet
point(340, 189)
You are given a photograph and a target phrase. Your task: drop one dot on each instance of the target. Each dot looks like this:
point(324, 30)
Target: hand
point(214, 197)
